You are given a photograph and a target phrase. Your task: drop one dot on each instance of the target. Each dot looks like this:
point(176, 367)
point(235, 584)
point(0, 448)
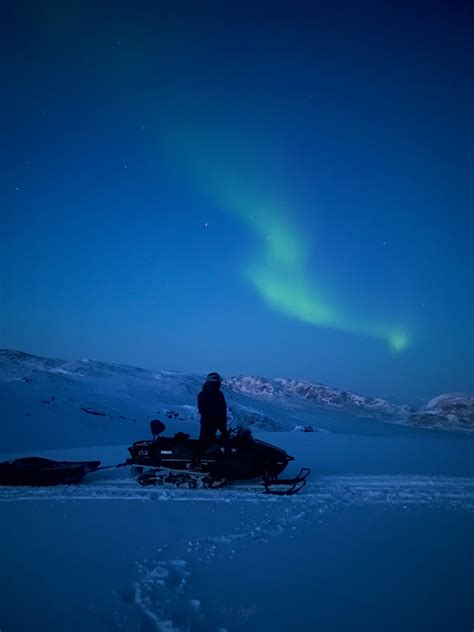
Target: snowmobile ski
point(294, 485)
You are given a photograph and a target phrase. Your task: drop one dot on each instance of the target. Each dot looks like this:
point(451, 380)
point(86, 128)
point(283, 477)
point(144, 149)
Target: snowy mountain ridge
point(317, 394)
point(447, 411)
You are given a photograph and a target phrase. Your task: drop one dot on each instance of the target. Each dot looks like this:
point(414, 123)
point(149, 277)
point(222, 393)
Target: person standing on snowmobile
point(213, 410)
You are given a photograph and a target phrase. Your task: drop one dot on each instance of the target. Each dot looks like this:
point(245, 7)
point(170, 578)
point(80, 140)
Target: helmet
point(214, 377)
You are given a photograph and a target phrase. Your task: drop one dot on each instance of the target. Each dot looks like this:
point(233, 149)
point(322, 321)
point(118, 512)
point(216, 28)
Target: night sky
point(242, 187)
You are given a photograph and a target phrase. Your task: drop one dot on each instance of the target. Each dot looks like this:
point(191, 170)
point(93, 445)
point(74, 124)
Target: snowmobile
point(42, 472)
point(238, 457)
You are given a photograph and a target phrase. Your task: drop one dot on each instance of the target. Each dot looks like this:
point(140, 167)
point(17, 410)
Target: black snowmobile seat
point(242, 439)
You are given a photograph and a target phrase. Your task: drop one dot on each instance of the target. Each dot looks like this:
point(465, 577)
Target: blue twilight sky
point(283, 190)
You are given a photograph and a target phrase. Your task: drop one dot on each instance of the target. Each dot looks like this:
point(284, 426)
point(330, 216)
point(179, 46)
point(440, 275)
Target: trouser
point(207, 437)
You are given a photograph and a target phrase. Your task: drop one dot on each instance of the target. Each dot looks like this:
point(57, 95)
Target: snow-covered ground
point(381, 537)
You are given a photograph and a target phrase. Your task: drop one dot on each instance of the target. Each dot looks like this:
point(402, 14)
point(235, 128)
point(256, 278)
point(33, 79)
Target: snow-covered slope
point(49, 403)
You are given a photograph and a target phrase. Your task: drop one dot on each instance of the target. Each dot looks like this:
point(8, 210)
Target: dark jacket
point(212, 407)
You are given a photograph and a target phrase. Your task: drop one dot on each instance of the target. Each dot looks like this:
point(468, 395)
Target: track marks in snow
point(161, 596)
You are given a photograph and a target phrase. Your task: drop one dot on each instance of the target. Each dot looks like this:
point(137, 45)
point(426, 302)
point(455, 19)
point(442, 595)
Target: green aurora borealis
point(277, 267)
